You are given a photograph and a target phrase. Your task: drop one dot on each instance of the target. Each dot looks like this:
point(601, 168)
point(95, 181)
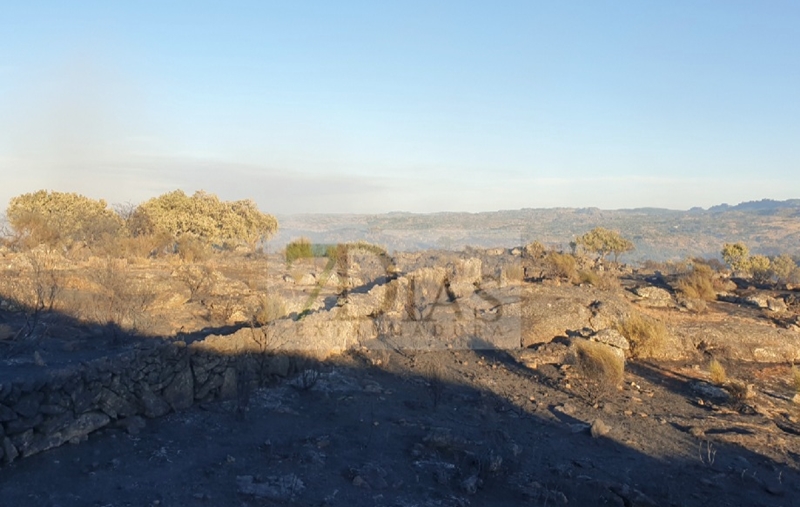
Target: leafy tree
point(61, 219)
point(737, 256)
point(759, 268)
point(782, 267)
point(203, 216)
point(603, 242)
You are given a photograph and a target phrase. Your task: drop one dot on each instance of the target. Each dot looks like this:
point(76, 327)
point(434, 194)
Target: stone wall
point(47, 407)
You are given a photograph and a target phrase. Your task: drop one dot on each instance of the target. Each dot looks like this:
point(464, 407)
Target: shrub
point(600, 368)
point(736, 255)
point(760, 268)
point(781, 268)
point(203, 216)
point(698, 284)
point(199, 279)
point(270, 307)
point(534, 250)
point(717, 373)
point(561, 265)
point(191, 249)
point(647, 336)
point(120, 299)
point(598, 280)
point(299, 249)
point(58, 219)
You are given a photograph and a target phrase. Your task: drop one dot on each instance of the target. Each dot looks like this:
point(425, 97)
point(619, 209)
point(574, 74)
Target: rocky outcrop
point(549, 312)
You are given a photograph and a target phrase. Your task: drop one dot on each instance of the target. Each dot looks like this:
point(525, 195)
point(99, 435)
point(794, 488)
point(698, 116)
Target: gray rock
point(776, 305)
point(599, 428)
point(10, 453)
point(708, 391)
point(228, 390)
point(22, 441)
point(653, 296)
point(28, 405)
point(22, 425)
point(56, 423)
point(7, 414)
point(180, 392)
point(611, 337)
point(153, 404)
point(114, 405)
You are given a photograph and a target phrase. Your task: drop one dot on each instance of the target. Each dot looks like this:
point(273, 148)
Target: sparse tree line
point(171, 223)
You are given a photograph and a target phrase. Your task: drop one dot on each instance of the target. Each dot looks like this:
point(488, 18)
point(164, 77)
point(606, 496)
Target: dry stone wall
point(45, 408)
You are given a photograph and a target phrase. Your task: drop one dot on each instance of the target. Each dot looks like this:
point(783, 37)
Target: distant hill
point(766, 226)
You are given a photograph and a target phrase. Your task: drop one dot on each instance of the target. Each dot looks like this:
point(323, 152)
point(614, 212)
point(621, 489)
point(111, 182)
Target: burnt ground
point(443, 428)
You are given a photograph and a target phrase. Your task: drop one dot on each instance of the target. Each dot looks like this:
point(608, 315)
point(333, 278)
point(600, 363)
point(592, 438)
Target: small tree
point(205, 217)
point(736, 256)
point(760, 268)
point(782, 267)
point(603, 242)
point(57, 219)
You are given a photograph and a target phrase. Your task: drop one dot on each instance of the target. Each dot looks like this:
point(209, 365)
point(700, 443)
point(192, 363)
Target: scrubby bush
point(698, 284)
point(270, 307)
point(782, 268)
point(717, 373)
point(760, 268)
point(299, 249)
point(534, 250)
point(561, 265)
point(736, 256)
point(600, 368)
point(646, 335)
point(603, 242)
point(58, 219)
point(120, 298)
point(204, 217)
point(595, 279)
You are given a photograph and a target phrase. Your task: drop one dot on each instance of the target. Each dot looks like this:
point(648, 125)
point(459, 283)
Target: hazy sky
point(416, 106)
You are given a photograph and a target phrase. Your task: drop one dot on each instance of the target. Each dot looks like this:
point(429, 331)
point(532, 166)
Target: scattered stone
point(565, 408)
point(697, 431)
point(284, 487)
point(599, 428)
point(706, 390)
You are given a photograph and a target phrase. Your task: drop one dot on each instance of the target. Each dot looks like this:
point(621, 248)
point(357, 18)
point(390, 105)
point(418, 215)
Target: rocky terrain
point(430, 378)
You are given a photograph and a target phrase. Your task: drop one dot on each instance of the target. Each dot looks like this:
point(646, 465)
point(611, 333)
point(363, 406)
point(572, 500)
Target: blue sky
point(403, 106)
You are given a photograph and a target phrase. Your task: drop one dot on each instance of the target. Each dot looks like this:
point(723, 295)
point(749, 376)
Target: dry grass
point(717, 373)
point(600, 368)
point(514, 272)
point(270, 307)
point(562, 265)
point(698, 284)
point(601, 281)
point(647, 336)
